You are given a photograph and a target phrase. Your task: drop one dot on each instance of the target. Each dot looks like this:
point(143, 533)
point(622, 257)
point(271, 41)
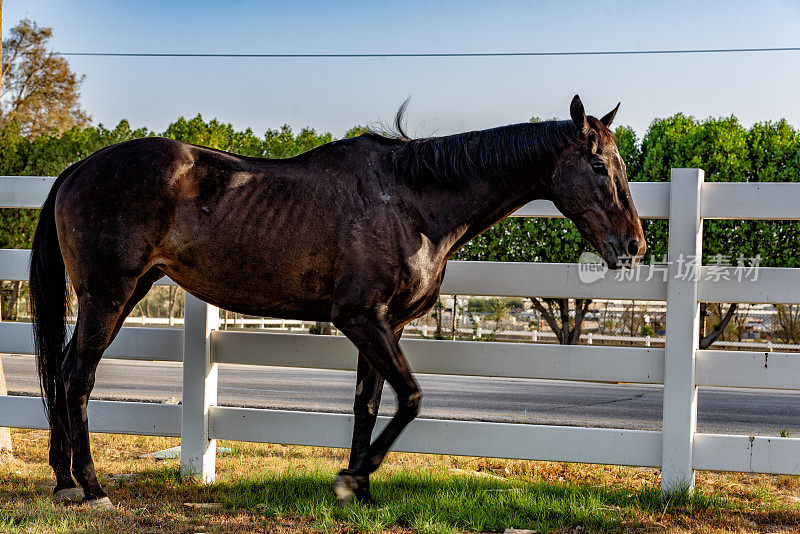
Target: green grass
point(273, 488)
point(440, 502)
point(427, 502)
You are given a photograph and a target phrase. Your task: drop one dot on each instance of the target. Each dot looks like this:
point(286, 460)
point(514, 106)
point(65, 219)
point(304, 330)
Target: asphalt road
point(551, 402)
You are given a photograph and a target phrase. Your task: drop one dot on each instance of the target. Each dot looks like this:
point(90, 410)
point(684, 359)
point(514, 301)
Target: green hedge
point(727, 151)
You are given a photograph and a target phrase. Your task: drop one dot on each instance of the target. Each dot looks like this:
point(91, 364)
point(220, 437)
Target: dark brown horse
point(357, 232)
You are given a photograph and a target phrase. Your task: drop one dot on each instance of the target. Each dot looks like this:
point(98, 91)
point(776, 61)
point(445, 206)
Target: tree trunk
point(581, 305)
point(548, 317)
point(172, 294)
point(703, 315)
point(7, 312)
point(455, 311)
point(706, 341)
point(5, 433)
point(563, 332)
point(563, 306)
point(323, 328)
point(437, 315)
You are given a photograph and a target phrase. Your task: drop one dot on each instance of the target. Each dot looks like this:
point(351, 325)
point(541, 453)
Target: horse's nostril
point(633, 247)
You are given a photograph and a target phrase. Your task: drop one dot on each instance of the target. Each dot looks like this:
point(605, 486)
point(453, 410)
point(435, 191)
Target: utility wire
point(440, 54)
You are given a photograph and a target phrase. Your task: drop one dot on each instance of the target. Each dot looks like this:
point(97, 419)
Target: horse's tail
point(49, 297)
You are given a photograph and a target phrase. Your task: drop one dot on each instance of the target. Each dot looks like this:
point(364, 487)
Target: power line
point(440, 54)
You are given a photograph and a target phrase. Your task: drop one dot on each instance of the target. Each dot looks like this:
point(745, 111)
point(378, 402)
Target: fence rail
point(686, 200)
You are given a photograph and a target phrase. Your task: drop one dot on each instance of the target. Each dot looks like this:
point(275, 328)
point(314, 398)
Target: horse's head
point(590, 187)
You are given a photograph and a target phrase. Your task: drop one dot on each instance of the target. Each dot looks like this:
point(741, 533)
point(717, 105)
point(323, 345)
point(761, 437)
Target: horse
point(357, 232)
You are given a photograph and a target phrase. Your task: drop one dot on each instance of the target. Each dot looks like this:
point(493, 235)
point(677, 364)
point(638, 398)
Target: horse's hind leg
point(60, 443)
point(369, 386)
point(374, 338)
point(98, 315)
point(143, 285)
point(60, 447)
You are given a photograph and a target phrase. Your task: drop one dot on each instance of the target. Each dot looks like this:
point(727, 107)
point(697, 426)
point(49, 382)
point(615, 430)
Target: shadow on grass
point(426, 501)
point(440, 502)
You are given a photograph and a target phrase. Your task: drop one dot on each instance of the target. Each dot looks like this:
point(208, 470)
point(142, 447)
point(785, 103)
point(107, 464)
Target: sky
point(448, 94)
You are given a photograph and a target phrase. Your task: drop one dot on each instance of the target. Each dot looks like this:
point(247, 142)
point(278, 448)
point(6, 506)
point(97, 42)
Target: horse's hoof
point(103, 503)
point(365, 497)
point(69, 495)
point(344, 486)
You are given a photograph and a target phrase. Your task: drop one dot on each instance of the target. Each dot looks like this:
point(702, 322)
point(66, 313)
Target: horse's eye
point(599, 167)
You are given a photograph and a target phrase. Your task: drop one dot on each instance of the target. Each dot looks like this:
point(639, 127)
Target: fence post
point(682, 327)
point(198, 452)
point(5, 432)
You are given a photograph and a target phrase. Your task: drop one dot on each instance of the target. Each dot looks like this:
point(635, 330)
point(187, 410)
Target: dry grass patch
point(276, 488)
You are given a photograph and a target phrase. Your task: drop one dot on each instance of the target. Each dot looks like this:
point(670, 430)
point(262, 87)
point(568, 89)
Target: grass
point(274, 488)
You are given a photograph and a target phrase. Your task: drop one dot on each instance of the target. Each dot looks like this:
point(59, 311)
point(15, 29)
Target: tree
point(282, 143)
point(722, 320)
point(39, 91)
point(16, 231)
point(215, 134)
point(767, 152)
point(632, 319)
point(568, 332)
point(497, 312)
point(788, 317)
point(355, 131)
point(438, 308)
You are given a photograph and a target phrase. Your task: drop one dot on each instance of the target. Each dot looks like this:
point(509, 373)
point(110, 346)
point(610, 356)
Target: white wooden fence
point(678, 448)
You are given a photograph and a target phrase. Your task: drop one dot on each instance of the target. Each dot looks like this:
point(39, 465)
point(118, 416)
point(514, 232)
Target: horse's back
point(248, 234)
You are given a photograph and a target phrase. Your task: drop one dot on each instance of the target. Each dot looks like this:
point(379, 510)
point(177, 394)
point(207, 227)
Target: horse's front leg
point(378, 344)
point(369, 386)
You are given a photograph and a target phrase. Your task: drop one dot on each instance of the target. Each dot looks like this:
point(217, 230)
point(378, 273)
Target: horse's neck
point(504, 184)
point(465, 214)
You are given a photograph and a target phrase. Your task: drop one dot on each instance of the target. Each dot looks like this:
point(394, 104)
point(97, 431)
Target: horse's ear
point(609, 117)
point(578, 115)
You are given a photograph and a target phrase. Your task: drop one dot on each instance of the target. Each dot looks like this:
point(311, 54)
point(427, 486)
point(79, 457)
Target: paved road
point(721, 410)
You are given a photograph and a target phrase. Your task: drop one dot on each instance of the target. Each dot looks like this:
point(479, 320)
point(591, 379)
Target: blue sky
point(448, 94)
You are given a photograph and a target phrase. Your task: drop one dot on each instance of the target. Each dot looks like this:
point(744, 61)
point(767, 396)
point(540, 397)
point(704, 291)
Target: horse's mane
point(498, 154)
